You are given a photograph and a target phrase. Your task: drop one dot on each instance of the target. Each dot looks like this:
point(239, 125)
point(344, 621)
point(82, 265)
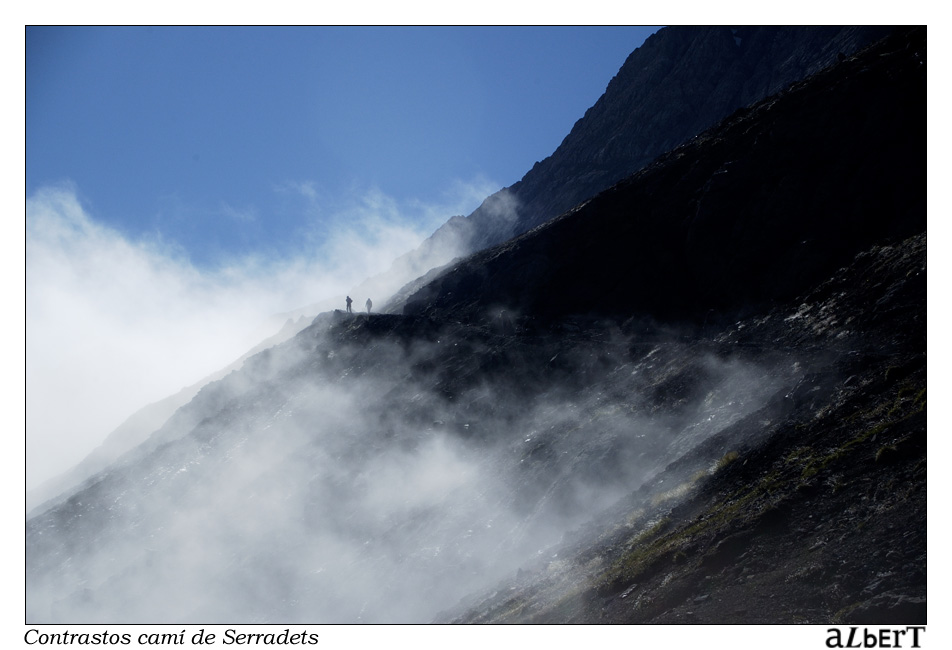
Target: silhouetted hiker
point(349, 310)
point(505, 323)
point(369, 305)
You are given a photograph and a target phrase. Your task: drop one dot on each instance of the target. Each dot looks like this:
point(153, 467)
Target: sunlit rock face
point(698, 397)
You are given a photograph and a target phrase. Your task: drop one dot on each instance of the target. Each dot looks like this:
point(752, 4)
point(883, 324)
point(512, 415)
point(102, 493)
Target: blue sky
point(230, 141)
point(185, 184)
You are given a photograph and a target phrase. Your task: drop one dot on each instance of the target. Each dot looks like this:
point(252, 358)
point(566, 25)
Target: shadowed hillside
point(681, 81)
point(773, 200)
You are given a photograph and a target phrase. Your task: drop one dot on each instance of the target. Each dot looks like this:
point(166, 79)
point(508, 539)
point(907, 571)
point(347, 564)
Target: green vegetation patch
point(660, 542)
point(895, 412)
point(654, 543)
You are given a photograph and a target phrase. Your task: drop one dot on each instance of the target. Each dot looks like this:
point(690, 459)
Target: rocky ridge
point(681, 81)
point(749, 213)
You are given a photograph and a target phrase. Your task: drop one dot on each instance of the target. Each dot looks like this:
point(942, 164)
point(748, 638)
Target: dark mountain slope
point(380, 467)
point(814, 509)
point(756, 210)
point(681, 81)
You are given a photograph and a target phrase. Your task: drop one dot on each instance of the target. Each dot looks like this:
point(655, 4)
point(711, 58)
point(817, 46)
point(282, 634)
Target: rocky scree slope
point(814, 508)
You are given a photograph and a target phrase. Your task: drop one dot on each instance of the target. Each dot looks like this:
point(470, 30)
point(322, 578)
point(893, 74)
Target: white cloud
point(370, 224)
point(307, 189)
point(246, 214)
point(114, 324)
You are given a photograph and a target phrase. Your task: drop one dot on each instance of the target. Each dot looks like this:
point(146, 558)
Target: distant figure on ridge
point(369, 305)
point(349, 310)
point(505, 323)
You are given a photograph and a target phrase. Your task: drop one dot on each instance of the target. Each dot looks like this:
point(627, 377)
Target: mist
point(375, 469)
point(114, 323)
